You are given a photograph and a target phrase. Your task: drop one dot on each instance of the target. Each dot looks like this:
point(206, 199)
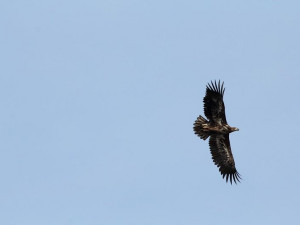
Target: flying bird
point(217, 129)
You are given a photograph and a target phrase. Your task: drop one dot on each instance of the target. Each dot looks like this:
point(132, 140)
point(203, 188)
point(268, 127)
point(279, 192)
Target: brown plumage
point(218, 130)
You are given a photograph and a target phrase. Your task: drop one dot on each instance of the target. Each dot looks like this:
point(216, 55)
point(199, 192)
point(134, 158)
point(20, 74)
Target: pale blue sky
point(98, 100)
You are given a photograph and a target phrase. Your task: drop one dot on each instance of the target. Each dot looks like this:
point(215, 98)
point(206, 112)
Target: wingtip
point(216, 86)
point(232, 177)
point(237, 176)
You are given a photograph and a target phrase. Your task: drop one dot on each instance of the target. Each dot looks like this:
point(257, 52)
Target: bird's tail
point(199, 129)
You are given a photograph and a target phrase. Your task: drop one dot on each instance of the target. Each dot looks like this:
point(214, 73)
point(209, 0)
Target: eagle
point(217, 129)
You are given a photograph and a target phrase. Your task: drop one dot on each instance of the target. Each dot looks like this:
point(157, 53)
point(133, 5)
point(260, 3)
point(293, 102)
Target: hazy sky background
point(98, 101)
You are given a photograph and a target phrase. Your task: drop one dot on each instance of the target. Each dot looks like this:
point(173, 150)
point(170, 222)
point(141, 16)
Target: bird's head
point(234, 129)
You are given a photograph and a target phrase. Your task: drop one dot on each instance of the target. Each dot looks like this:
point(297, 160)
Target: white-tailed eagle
point(217, 129)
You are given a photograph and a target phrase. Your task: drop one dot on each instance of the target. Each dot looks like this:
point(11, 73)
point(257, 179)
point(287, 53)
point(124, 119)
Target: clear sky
point(98, 101)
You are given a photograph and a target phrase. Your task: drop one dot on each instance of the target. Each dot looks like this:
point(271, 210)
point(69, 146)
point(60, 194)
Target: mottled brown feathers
point(218, 130)
point(222, 156)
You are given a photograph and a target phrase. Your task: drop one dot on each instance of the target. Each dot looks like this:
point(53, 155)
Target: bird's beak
point(237, 129)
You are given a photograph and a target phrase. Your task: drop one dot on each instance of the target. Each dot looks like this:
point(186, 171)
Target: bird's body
point(217, 129)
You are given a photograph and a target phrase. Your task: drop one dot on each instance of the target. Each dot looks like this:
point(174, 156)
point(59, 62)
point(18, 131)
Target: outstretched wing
point(222, 156)
point(214, 108)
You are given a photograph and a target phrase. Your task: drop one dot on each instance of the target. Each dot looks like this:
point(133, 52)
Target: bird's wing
point(222, 156)
point(214, 108)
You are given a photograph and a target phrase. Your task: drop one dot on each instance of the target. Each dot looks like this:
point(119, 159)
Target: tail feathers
point(198, 128)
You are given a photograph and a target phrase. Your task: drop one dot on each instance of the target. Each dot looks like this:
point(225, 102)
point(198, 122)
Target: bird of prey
point(217, 129)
